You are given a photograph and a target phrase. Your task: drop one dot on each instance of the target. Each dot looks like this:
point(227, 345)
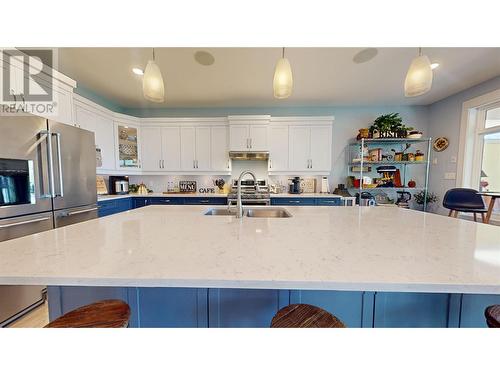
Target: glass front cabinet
point(127, 141)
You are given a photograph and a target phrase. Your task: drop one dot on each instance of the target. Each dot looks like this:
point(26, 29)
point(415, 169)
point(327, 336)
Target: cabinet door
point(258, 137)
point(239, 138)
point(321, 148)
point(127, 137)
point(105, 140)
point(219, 149)
point(202, 148)
point(299, 148)
point(188, 148)
point(151, 149)
point(85, 119)
point(278, 148)
point(171, 148)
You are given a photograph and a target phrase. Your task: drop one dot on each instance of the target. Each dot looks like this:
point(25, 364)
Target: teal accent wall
point(98, 99)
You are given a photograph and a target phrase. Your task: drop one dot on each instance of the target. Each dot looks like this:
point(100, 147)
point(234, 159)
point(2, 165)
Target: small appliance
point(252, 194)
point(325, 186)
point(403, 199)
point(118, 184)
point(294, 187)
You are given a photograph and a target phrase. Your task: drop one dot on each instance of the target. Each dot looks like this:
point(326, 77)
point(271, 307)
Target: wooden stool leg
point(475, 217)
point(482, 217)
point(455, 214)
point(449, 213)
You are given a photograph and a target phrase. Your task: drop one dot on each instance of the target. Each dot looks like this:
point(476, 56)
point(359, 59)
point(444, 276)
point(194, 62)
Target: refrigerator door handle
point(71, 213)
point(50, 162)
point(59, 164)
point(2, 226)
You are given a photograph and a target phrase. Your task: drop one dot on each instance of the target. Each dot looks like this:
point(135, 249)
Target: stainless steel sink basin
point(220, 212)
point(268, 212)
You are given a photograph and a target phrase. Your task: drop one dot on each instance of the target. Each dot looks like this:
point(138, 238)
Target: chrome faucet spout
point(239, 206)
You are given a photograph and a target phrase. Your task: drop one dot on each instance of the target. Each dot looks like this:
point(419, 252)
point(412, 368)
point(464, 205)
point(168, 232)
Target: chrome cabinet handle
point(80, 211)
point(294, 201)
point(159, 164)
point(2, 226)
point(250, 142)
point(163, 164)
point(270, 164)
point(311, 163)
point(204, 201)
point(59, 164)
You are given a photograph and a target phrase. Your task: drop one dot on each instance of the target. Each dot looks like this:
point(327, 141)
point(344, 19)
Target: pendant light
point(152, 82)
point(419, 77)
point(283, 80)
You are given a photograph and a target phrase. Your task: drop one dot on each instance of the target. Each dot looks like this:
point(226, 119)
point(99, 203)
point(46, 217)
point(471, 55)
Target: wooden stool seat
point(110, 313)
point(492, 314)
point(305, 316)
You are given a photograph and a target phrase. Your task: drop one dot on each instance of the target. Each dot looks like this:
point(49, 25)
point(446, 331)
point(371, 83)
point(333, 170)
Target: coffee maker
point(294, 187)
point(118, 184)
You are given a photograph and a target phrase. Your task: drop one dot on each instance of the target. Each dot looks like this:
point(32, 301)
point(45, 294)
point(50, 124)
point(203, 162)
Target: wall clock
point(440, 144)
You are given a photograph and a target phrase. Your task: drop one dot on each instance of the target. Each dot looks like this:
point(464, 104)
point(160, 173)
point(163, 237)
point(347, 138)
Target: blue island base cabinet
point(226, 307)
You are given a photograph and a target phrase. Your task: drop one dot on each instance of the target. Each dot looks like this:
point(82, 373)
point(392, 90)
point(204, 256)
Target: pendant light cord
point(153, 54)
point(420, 51)
point(283, 53)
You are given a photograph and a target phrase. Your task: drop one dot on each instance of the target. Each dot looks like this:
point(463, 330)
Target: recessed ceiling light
point(138, 71)
point(434, 65)
point(204, 58)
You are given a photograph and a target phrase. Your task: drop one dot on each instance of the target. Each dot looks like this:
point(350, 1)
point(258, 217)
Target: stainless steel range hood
point(249, 155)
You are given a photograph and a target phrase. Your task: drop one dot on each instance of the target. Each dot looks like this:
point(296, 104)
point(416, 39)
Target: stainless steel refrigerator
point(47, 180)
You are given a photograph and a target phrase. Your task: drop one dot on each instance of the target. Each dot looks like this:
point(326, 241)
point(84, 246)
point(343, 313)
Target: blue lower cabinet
point(206, 200)
point(171, 307)
point(113, 206)
point(408, 310)
point(293, 201)
point(166, 200)
point(473, 306)
point(141, 202)
point(244, 307)
point(347, 306)
point(328, 202)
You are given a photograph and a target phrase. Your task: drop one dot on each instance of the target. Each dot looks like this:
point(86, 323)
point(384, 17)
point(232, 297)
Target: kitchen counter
point(326, 248)
point(101, 198)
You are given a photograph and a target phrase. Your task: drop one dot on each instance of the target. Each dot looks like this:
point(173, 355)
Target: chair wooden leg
point(483, 218)
point(475, 217)
point(449, 213)
point(455, 214)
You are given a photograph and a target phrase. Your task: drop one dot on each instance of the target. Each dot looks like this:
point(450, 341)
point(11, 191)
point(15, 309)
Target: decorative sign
point(440, 144)
point(206, 190)
point(187, 186)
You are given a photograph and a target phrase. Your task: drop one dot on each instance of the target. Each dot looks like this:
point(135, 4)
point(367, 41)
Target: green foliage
point(420, 197)
point(390, 125)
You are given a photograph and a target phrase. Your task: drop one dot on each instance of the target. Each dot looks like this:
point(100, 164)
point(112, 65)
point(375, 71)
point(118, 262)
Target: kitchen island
point(176, 267)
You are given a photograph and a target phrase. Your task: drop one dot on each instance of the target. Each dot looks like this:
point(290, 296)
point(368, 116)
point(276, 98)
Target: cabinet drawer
point(293, 202)
point(140, 202)
point(205, 200)
point(328, 202)
point(166, 200)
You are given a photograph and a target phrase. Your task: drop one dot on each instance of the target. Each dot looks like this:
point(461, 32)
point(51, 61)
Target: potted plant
point(421, 197)
point(390, 126)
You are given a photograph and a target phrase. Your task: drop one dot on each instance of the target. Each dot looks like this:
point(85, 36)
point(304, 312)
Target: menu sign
point(187, 186)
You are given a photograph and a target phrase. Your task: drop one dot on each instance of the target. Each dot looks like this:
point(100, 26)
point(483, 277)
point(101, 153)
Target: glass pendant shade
point(283, 79)
point(152, 83)
point(419, 77)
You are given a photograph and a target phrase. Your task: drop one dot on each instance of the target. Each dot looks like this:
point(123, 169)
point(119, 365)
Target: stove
point(252, 194)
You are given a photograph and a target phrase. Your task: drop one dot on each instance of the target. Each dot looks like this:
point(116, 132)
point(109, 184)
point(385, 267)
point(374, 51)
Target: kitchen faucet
point(239, 207)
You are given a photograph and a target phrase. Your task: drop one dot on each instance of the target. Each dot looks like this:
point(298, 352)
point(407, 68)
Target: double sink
point(275, 212)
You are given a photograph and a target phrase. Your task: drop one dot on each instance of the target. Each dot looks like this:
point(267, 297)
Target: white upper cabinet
point(171, 148)
point(278, 148)
point(321, 148)
point(152, 157)
point(203, 145)
point(300, 148)
point(248, 133)
point(102, 126)
point(127, 137)
point(188, 148)
point(219, 149)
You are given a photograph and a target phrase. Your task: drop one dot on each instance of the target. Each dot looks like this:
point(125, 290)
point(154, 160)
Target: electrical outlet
point(453, 159)
point(435, 161)
point(450, 176)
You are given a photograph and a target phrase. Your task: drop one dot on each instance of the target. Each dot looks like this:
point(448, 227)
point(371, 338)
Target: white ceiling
point(243, 76)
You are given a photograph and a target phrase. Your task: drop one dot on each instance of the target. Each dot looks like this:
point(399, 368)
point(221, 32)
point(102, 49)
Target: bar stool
point(111, 313)
point(464, 200)
point(305, 316)
point(492, 314)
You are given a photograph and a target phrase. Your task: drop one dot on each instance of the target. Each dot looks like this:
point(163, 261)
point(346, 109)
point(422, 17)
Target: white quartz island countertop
point(324, 248)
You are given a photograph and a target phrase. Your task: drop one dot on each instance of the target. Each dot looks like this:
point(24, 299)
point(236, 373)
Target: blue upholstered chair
point(464, 200)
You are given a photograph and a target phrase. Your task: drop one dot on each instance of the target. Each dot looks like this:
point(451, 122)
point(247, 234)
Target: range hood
point(249, 155)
